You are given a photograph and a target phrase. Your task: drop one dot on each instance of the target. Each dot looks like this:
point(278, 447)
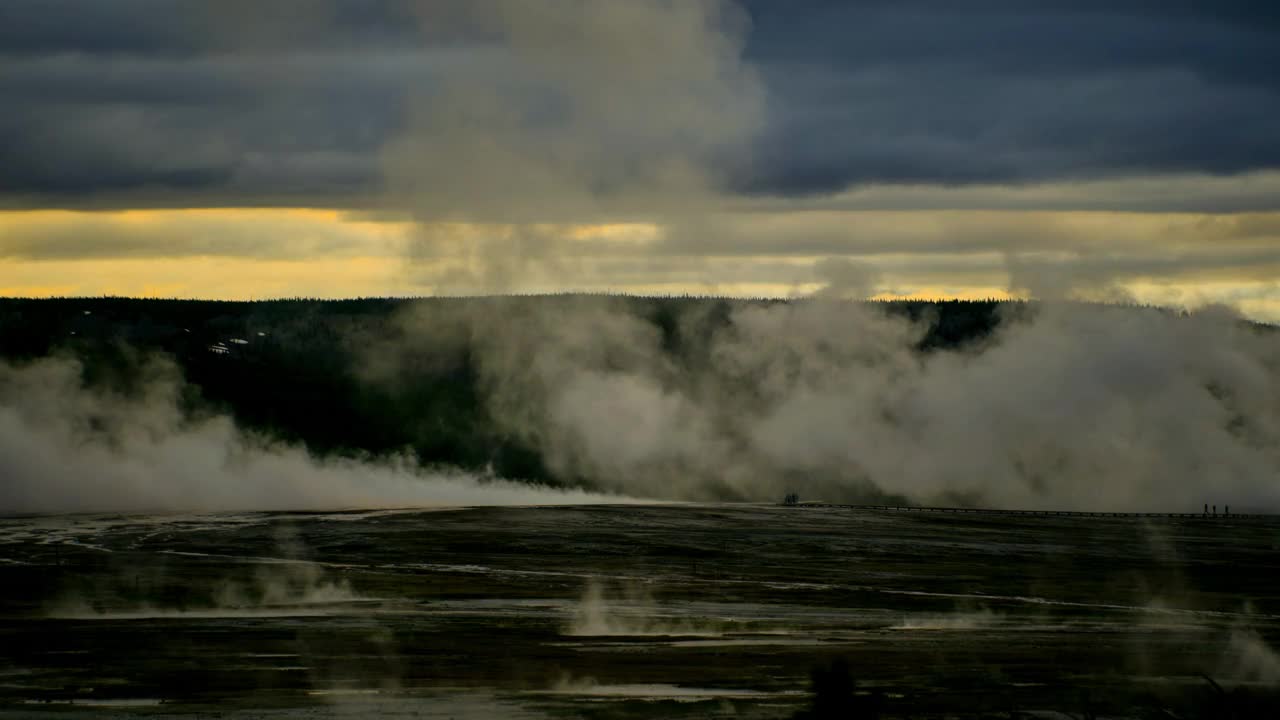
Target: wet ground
point(632, 612)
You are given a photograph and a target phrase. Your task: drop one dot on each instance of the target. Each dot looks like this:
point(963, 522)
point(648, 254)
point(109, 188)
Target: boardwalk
point(1053, 513)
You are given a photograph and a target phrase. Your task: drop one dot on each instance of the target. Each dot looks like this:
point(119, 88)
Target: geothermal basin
point(666, 611)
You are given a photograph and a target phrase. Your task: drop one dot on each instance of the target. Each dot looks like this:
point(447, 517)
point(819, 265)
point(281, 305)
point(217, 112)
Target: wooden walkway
point(1043, 513)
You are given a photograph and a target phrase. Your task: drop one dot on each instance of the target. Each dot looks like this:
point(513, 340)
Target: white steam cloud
point(1064, 406)
point(65, 448)
point(1067, 406)
point(574, 108)
point(564, 113)
point(630, 610)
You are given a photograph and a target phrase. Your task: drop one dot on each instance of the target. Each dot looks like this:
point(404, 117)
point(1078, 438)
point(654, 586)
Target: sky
point(1125, 150)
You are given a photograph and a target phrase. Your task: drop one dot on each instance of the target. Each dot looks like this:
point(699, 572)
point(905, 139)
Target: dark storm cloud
point(156, 102)
point(193, 27)
point(930, 125)
point(147, 103)
point(212, 129)
point(955, 93)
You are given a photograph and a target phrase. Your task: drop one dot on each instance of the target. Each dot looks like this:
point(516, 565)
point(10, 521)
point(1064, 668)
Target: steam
point(571, 112)
point(978, 620)
point(586, 107)
point(298, 582)
point(1065, 406)
point(68, 448)
point(843, 278)
point(1248, 658)
point(289, 585)
point(629, 610)
point(569, 685)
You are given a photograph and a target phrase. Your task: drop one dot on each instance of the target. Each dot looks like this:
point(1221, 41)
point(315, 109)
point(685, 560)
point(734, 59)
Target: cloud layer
point(236, 103)
point(1079, 149)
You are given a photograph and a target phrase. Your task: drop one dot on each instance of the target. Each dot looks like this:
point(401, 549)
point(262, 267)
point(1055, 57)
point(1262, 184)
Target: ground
point(633, 612)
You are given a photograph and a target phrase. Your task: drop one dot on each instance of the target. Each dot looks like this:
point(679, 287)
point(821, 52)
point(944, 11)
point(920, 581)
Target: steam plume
point(574, 111)
point(1068, 406)
point(66, 448)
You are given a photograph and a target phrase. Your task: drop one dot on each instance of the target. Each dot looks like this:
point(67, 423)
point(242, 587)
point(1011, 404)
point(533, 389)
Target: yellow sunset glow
point(243, 253)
